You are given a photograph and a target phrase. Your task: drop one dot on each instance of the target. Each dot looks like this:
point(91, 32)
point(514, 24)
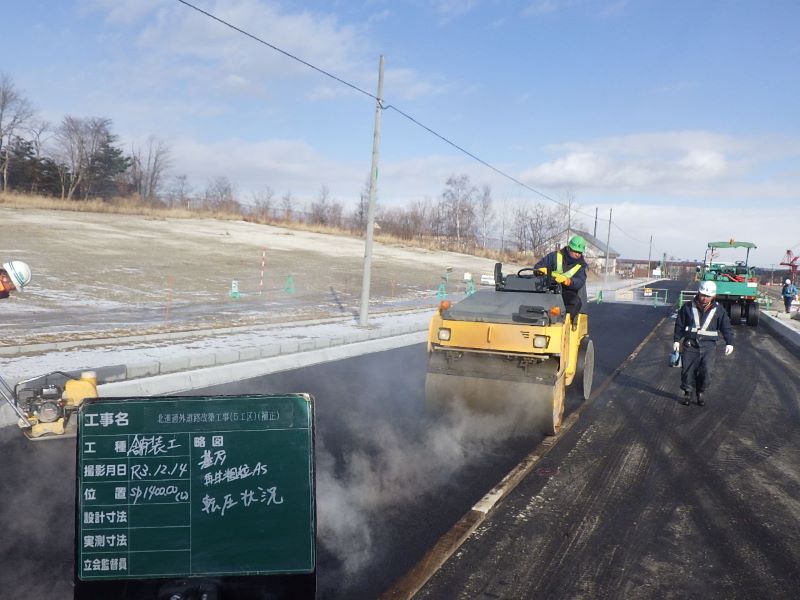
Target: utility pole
point(608, 239)
point(373, 181)
point(772, 275)
point(569, 217)
point(595, 222)
point(649, 254)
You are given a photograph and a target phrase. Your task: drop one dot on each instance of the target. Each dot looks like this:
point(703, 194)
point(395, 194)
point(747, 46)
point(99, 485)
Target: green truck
point(737, 284)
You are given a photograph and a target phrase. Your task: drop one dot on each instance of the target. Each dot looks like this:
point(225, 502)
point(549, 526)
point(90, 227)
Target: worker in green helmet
point(569, 268)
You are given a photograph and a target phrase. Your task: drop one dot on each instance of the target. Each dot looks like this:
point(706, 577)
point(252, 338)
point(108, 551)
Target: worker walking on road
point(698, 326)
point(789, 293)
point(570, 267)
point(14, 276)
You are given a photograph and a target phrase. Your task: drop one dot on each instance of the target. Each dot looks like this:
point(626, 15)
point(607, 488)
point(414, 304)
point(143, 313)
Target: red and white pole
point(263, 261)
point(168, 307)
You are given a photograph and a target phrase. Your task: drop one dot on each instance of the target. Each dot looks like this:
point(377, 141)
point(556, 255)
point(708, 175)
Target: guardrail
point(641, 295)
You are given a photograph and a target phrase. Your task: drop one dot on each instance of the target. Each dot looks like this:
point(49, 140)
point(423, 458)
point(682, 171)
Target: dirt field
point(100, 273)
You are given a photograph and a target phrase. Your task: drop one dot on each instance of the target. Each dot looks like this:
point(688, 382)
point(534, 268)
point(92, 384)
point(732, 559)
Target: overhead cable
point(401, 113)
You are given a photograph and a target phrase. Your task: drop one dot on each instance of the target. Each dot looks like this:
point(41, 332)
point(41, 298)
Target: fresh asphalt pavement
point(647, 498)
point(643, 498)
point(361, 401)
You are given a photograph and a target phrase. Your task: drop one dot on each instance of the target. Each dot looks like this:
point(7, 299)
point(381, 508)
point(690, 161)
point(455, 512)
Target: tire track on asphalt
point(682, 492)
point(410, 583)
point(720, 512)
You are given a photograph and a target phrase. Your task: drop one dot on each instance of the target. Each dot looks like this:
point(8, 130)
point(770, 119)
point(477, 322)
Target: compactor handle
point(8, 394)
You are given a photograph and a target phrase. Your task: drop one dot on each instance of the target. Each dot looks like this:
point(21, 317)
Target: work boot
point(700, 401)
point(686, 397)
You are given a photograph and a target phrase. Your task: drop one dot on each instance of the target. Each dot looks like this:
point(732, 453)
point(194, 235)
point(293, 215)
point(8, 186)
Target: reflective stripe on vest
point(702, 331)
point(560, 265)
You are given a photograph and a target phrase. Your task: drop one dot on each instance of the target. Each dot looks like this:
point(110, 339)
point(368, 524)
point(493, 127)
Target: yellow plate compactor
point(513, 348)
point(45, 404)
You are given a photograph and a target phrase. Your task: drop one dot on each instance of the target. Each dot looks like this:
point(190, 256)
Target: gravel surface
point(98, 273)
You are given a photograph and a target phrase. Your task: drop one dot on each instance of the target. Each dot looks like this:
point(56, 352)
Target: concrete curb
point(783, 331)
point(184, 373)
point(185, 381)
point(177, 336)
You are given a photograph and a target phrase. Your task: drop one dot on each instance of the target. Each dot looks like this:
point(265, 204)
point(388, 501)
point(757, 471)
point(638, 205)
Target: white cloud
point(450, 9)
point(678, 164)
point(542, 7)
point(122, 11)
point(601, 9)
point(685, 231)
point(180, 44)
point(283, 165)
point(407, 84)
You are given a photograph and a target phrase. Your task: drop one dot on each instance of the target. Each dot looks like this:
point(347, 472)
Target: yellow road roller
point(513, 348)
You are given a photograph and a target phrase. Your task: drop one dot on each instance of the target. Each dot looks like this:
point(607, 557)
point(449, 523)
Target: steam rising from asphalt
point(396, 471)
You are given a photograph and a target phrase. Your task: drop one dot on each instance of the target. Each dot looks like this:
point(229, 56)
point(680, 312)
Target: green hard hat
point(577, 243)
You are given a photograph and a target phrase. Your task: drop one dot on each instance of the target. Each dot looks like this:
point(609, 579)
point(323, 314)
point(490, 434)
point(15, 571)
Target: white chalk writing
point(211, 459)
point(157, 492)
point(234, 473)
point(248, 497)
point(151, 445)
point(172, 471)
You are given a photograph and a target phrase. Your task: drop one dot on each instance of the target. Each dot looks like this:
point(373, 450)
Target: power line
point(628, 234)
point(372, 96)
point(401, 113)
point(284, 52)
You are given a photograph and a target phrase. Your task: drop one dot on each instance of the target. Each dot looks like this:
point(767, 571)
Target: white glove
point(676, 347)
point(728, 349)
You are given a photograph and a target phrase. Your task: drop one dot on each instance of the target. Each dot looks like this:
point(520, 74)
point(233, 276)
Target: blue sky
point(684, 117)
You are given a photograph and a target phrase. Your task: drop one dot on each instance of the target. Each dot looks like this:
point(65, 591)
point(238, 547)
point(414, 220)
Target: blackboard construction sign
point(177, 487)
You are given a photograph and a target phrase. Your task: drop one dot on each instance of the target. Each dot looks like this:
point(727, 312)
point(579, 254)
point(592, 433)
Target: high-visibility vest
point(697, 329)
point(560, 265)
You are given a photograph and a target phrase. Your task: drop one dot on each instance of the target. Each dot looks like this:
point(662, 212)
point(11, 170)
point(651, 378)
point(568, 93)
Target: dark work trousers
point(787, 302)
point(572, 302)
point(697, 365)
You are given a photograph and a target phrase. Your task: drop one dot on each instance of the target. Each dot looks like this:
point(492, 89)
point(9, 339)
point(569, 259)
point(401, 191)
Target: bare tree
point(148, 167)
point(418, 217)
point(219, 195)
point(39, 132)
point(320, 208)
point(504, 209)
point(360, 213)
point(485, 213)
point(287, 206)
point(78, 144)
point(536, 229)
point(262, 202)
point(15, 111)
point(458, 205)
point(180, 191)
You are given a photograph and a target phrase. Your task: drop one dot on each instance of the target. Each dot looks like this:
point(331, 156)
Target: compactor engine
point(45, 404)
point(513, 348)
